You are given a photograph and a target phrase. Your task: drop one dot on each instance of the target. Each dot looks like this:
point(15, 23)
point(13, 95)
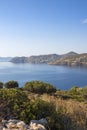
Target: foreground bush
point(1, 85)
point(47, 110)
point(61, 114)
point(39, 87)
point(14, 103)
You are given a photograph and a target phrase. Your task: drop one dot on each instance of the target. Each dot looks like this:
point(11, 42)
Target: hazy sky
point(32, 27)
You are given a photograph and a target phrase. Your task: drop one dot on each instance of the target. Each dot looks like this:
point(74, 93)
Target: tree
point(11, 84)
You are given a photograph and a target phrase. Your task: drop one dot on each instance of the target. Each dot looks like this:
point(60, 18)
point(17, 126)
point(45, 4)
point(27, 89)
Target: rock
point(1, 126)
point(38, 124)
point(43, 121)
point(35, 126)
point(14, 125)
point(20, 125)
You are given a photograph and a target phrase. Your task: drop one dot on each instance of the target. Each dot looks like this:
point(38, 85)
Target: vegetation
point(1, 85)
point(11, 84)
point(14, 103)
point(39, 87)
point(64, 110)
point(75, 93)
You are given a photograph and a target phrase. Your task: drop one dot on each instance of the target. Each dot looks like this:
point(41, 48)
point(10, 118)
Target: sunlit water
point(60, 76)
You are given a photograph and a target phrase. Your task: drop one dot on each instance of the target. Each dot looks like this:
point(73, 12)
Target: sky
point(34, 27)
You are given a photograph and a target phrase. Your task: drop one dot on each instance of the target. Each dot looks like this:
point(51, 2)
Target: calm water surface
point(60, 76)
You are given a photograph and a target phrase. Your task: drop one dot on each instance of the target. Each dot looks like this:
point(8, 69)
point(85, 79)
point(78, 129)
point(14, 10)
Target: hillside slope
point(75, 60)
point(41, 59)
point(36, 59)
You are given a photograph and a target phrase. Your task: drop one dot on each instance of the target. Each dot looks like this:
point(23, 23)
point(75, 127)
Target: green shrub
point(39, 87)
point(43, 109)
point(14, 103)
point(1, 85)
point(11, 84)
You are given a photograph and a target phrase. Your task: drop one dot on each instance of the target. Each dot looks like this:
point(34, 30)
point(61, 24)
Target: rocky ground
point(20, 125)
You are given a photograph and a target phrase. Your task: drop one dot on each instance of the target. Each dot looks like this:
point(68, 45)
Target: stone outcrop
point(20, 125)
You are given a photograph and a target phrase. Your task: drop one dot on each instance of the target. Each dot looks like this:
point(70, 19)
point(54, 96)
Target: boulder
point(39, 124)
point(20, 125)
point(14, 125)
point(35, 126)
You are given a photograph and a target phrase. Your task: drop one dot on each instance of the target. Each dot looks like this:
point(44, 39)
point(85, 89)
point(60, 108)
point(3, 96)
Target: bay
point(62, 77)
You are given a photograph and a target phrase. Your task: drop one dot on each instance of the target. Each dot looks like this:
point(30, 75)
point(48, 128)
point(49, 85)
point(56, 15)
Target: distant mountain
point(5, 59)
point(72, 60)
point(41, 59)
point(19, 59)
point(69, 59)
point(71, 53)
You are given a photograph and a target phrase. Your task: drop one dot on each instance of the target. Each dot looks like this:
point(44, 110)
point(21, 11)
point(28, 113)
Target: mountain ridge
point(68, 59)
point(41, 59)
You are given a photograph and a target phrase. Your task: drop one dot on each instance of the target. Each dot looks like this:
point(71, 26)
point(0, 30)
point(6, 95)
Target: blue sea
point(62, 77)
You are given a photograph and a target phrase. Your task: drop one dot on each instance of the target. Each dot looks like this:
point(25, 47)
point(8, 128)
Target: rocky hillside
point(73, 60)
point(69, 59)
point(41, 59)
point(36, 59)
point(22, 59)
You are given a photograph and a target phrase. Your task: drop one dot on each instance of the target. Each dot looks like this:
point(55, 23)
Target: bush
point(14, 103)
point(43, 109)
point(11, 84)
point(39, 87)
point(1, 85)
